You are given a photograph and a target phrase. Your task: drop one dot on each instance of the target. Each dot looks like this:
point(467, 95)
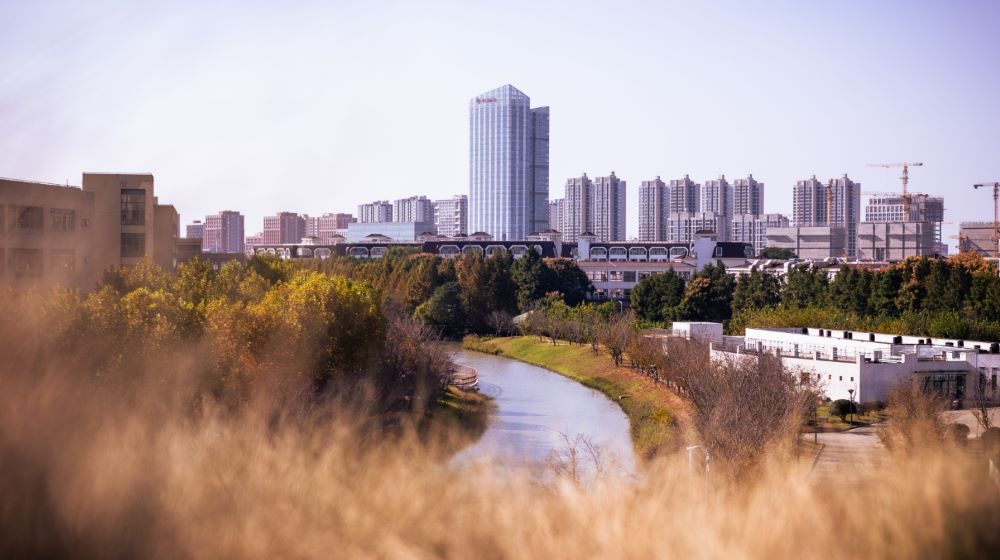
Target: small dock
point(464, 377)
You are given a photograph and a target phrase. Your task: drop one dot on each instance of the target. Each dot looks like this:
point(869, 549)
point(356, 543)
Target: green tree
point(656, 297)
point(804, 287)
point(756, 290)
point(708, 296)
point(533, 279)
point(569, 280)
point(776, 253)
point(885, 291)
point(443, 311)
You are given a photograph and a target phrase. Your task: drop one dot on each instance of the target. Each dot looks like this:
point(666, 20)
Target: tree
point(443, 310)
point(776, 253)
point(533, 279)
point(708, 296)
point(885, 290)
point(569, 280)
point(656, 297)
point(804, 287)
point(843, 407)
point(756, 290)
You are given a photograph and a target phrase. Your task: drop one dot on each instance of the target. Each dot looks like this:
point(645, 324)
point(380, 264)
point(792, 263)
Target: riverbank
point(457, 419)
point(651, 408)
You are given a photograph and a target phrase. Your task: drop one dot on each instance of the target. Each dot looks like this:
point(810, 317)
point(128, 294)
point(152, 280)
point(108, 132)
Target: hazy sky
point(319, 106)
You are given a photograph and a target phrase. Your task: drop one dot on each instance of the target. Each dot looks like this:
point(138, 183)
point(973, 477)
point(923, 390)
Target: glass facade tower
point(508, 164)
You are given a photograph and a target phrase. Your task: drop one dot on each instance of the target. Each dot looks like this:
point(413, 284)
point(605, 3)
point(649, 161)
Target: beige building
point(979, 237)
point(816, 242)
point(62, 235)
point(895, 241)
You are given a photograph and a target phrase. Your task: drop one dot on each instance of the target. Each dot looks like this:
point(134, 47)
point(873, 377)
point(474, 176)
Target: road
point(966, 417)
point(847, 455)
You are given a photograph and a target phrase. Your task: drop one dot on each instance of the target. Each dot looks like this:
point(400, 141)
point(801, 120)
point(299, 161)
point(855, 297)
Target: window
point(133, 208)
point(629, 275)
point(852, 379)
point(718, 251)
point(62, 259)
point(841, 377)
point(26, 263)
point(133, 244)
point(62, 220)
point(28, 217)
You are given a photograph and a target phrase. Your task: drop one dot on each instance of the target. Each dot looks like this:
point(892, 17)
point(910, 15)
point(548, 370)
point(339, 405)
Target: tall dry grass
point(141, 469)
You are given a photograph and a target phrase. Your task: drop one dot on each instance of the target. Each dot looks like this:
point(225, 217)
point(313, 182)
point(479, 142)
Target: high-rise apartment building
point(508, 164)
point(682, 227)
point(608, 208)
point(557, 212)
point(326, 226)
point(685, 195)
point(224, 233)
point(747, 197)
point(451, 215)
point(379, 211)
point(810, 208)
point(716, 196)
point(413, 209)
point(753, 228)
point(195, 230)
point(654, 209)
point(577, 207)
point(284, 227)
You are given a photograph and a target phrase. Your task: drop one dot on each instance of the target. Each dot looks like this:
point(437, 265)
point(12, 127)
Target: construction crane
point(906, 165)
point(829, 203)
point(996, 213)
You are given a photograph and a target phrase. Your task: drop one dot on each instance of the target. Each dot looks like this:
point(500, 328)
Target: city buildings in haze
point(747, 197)
point(223, 233)
point(413, 209)
point(608, 208)
point(685, 195)
point(195, 230)
point(284, 227)
point(375, 212)
point(654, 209)
point(451, 215)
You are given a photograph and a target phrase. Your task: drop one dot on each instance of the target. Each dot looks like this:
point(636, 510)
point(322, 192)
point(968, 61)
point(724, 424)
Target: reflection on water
point(537, 411)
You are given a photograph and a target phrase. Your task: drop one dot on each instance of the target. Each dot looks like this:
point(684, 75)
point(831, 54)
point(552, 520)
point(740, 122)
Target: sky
point(317, 107)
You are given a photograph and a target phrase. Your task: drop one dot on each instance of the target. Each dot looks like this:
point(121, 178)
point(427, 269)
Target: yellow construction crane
point(996, 214)
point(906, 165)
point(829, 203)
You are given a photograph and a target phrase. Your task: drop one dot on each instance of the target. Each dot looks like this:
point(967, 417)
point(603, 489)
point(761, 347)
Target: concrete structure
point(683, 227)
point(896, 241)
point(810, 207)
point(375, 212)
point(224, 233)
point(747, 197)
point(978, 237)
point(508, 164)
point(413, 209)
point(284, 227)
point(608, 208)
point(393, 231)
point(870, 364)
point(557, 213)
point(685, 195)
point(654, 208)
point(816, 242)
point(252, 243)
point(577, 207)
point(699, 331)
point(717, 197)
point(451, 215)
point(60, 235)
point(195, 230)
point(752, 228)
point(923, 208)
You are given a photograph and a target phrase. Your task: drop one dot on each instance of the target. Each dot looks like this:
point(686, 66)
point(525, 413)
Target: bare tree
point(616, 336)
point(981, 399)
point(915, 419)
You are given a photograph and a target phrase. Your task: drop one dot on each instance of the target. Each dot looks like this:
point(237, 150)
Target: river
point(538, 410)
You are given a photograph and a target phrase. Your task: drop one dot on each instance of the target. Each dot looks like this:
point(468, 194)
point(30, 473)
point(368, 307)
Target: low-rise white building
point(870, 364)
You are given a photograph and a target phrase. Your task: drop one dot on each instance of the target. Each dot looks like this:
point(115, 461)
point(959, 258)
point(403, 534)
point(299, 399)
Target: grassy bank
point(651, 408)
point(457, 419)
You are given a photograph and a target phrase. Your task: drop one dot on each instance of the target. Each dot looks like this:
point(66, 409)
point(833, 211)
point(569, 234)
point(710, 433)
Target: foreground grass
point(652, 409)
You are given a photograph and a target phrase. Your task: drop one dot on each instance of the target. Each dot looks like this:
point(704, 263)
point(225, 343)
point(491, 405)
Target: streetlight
point(851, 393)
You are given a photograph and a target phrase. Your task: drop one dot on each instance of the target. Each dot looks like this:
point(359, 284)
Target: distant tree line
point(956, 297)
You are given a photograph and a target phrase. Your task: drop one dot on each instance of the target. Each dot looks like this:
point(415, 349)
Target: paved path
point(847, 455)
point(966, 417)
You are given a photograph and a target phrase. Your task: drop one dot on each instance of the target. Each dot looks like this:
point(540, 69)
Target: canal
point(538, 410)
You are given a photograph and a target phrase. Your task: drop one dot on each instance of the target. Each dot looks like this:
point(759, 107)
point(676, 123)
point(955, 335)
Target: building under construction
point(978, 237)
point(890, 233)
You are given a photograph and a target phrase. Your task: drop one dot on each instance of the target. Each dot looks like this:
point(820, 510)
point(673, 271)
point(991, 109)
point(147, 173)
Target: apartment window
point(62, 220)
point(62, 259)
point(26, 263)
point(841, 378)
point(718, 251)
point(133, 207)
point(28, 217)
point(133, 245)
point(629, 275)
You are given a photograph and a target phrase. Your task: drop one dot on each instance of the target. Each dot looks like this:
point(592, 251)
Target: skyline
point(254, 109)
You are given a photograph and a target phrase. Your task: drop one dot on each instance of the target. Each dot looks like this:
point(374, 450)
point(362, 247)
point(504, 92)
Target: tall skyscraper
point(747, 197)
point(284, 227)
point(810, 208)
point(685, 195)
point(716, 196)
point(413, 209)
point(654, 208)
point(223, 233)
point(451, 216)
point(508, 164)
point(608, 208)
point(379, 211)
point(557, 212)
point(577, 207)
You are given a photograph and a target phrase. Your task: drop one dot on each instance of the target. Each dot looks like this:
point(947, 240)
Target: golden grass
point(656, 415)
